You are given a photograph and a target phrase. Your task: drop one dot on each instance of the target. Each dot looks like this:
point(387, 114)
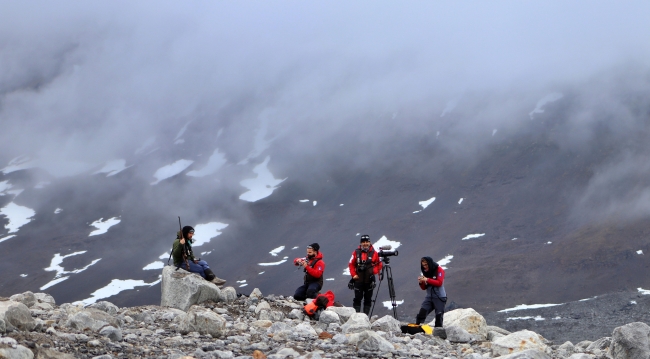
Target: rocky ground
point(258, 326)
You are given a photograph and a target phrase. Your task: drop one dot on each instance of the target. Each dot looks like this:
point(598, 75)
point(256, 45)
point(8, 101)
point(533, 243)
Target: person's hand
point(422, 279)
point(182, 240)
point(196, 261)
point(355, 277)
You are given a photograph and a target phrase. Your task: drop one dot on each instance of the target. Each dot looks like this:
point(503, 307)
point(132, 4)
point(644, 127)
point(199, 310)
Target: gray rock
point(19, 352)
point(105, 356)
point(468, 319)
point(456, 334)
point(371, 341)
point(92, 319)
point(387, 324)
point(26, 298)
point(45, 298)
point(42, 306)
point(111, 333)
point(518, 341)
point(329, 317)
point(600, 344)
point(181, 289)
point(44, 353)
point(582, 346)
point(581, 356)
point(285, 352)
point(3, 326)
point(201, 320)
point(304, 330)
point(171, 313)
point(566, 349)
point(340, 338)
point(262, 324)
point(223, 354)
point(527, 354)
point(229, 294)
point(497, 329)
point(344, 312)
point(71, 309)
point(263, 305)
point(473, 356)
point(272, 315)
point(296, 314)
point(630, 341)
point(16, 315)
point(492, 335)
point(357, 323)
point(256, 293)
point(94, 343)
point(105, 306)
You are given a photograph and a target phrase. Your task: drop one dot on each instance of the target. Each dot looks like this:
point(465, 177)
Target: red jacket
point(318, 268)
point(435, 281)
point(376, 263)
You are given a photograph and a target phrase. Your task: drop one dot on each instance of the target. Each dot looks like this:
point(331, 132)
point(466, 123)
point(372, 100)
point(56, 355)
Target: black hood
point(433, 267)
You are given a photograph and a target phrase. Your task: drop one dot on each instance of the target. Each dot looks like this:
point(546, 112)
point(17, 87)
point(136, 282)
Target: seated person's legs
point(194, 268)
point(300, 293)
point(312, 290)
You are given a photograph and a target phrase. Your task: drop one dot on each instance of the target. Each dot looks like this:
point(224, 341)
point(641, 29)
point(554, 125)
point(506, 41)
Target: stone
point(3, 326)
point(278, 327)
point(371, 341)
point(42, 306)
point(566, 349)
point(19, 352)
point(229, 294)
point(111, 333)
point(357, 323)
point(582, 346)
point(171, 313)
point(263, 305)
point(527, 354)
point(201, 320)
point(285, 352)
point(256, 293)
point(92, 319)
point(26, 298)
point(272, 315)
point(45, 298)
point(105, 306)
point(344, 312)
point(456, 334)
point(630, 341)
point(71, 309)
point(497, 329)
point(44, 353)
point(468, 319)
point(296, 314)
point(16, 315)
point(387, 324)
point(304, 330)
point(518, 341)
point(581, 356)
point(492, 335)
point(181, 289)
point(329, 317)
point(261, 324)
point(600, 344)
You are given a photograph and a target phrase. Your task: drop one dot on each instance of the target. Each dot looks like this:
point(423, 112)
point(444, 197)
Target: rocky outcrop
point(518, 342)
point(182, 289)
point(16, 315)
point(467, 319)
point(630, 341)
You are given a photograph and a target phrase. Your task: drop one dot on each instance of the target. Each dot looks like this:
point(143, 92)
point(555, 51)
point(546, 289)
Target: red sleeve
point(438, 281)
point(377, 264)
point(353, 264)
point(423, 286)
point(318, 269)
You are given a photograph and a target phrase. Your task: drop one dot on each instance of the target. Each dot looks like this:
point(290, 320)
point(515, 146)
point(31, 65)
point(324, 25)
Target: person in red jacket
point(431, 280)
point(364, 265)
point(314, 267)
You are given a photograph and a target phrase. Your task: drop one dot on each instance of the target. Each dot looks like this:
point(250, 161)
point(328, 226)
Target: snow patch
point(243, 285)
point(215, 162)
point(241, 281)
point(57, 211)
point(537, 318)
point(472, 236)
point(114, 287)
point(170, 170)
point(148, 143)
point(633, 302)
point(261, 186)
point(639, 252)
point(529, 306)
point(296, 247)
point(181, 132)
point(275, 251)
point(274, 263)
point(23, 275)
point(55, 266)
point(204, 232)
point(7, 237)
point(315, 203)
point(19, 163)
point(113, 167)
point(389, 305)
point(443, 262)
point(329, 279)
point(552, 97)
point(643, 291)
point(303, 200)
point(103, 226)
point(460, 201)
point(18, 216)
point(262, 272)
point(154, 265)
point(341, 205)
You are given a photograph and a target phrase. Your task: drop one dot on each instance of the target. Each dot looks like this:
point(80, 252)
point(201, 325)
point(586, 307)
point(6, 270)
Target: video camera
point(385, 251)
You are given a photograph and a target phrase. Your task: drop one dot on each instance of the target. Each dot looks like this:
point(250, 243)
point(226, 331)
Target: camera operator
point(184, 257)
point(314, 267)
point(431, 280)
point(364, 265)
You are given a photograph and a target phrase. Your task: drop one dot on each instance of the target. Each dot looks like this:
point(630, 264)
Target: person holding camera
point(431, 280)
point(364, 265)
point(184, 257)
point(314, 267)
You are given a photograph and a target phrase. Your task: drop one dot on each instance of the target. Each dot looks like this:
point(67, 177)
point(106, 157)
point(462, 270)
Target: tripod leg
point(391, 289)
point(381, 277)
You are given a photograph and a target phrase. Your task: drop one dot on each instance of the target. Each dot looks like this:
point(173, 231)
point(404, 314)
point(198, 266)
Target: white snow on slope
point(19, 163)
point(537, 318)
point(7, 237)
point(425, 204)
point(4, 187)
point(114, 287)
point(55, 266)
point(639, 252)
point(18, 216)
point(275, 251)
point(154, 265)
point(261, 186)
point(315, 203)
point(148, 143)
point(103, 226)
point(57, 211)
point(170, 170)
point(215, 162)
point(528, 306)
point(472, 236)
point(303, 200)
point(460, 201)
point(113, 167)
point(182, 131)
point(389, 305)
point(443, 262)
point(552, 97)
point(274, 263)
point(643, 291)
point(204, 232)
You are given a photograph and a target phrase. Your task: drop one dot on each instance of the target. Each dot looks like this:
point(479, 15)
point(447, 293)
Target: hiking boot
point(218, 281)
point(440, 332)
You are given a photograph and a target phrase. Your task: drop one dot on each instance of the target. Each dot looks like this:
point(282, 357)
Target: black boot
point(439, 320)
point(209, 276)
point(366, 309)
point(422, 315)
point(357, 308)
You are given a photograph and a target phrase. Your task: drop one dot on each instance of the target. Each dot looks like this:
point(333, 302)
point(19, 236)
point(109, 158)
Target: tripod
point(391, 288)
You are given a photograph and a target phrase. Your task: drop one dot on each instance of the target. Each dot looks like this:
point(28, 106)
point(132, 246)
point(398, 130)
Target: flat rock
point(181, 289)
point(517, 342)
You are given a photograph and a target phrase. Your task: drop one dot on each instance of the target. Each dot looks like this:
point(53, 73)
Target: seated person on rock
point(314, 267)
point(184, 257)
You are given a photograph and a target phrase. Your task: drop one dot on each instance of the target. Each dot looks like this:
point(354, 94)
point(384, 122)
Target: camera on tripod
point(385, 251)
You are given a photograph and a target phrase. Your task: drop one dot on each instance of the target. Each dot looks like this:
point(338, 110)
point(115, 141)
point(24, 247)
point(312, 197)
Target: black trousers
point(307, 291)
point(429, 305)
point(362, 291)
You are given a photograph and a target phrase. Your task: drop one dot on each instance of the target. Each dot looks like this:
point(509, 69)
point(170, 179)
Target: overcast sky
point(87, 82)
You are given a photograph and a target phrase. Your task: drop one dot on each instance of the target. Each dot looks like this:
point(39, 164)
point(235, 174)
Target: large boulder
point(182, 289)
point(344, 312)
point(93, 319)
point(105, 306)
point(19, 352)
point(16, 315)
point(202, 320)
point(371, 341)
point(456, 334)
point(26, 298)
point(468, 319)
point(45, 298)
point(630, 341)
point(518, 342)
point(387, 324)
point(358, 322)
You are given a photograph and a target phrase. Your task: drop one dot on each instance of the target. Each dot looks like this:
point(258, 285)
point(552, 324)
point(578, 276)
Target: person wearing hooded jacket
point(314, 266)
point(364, 265)
point(184, 257)
point(431, 280)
